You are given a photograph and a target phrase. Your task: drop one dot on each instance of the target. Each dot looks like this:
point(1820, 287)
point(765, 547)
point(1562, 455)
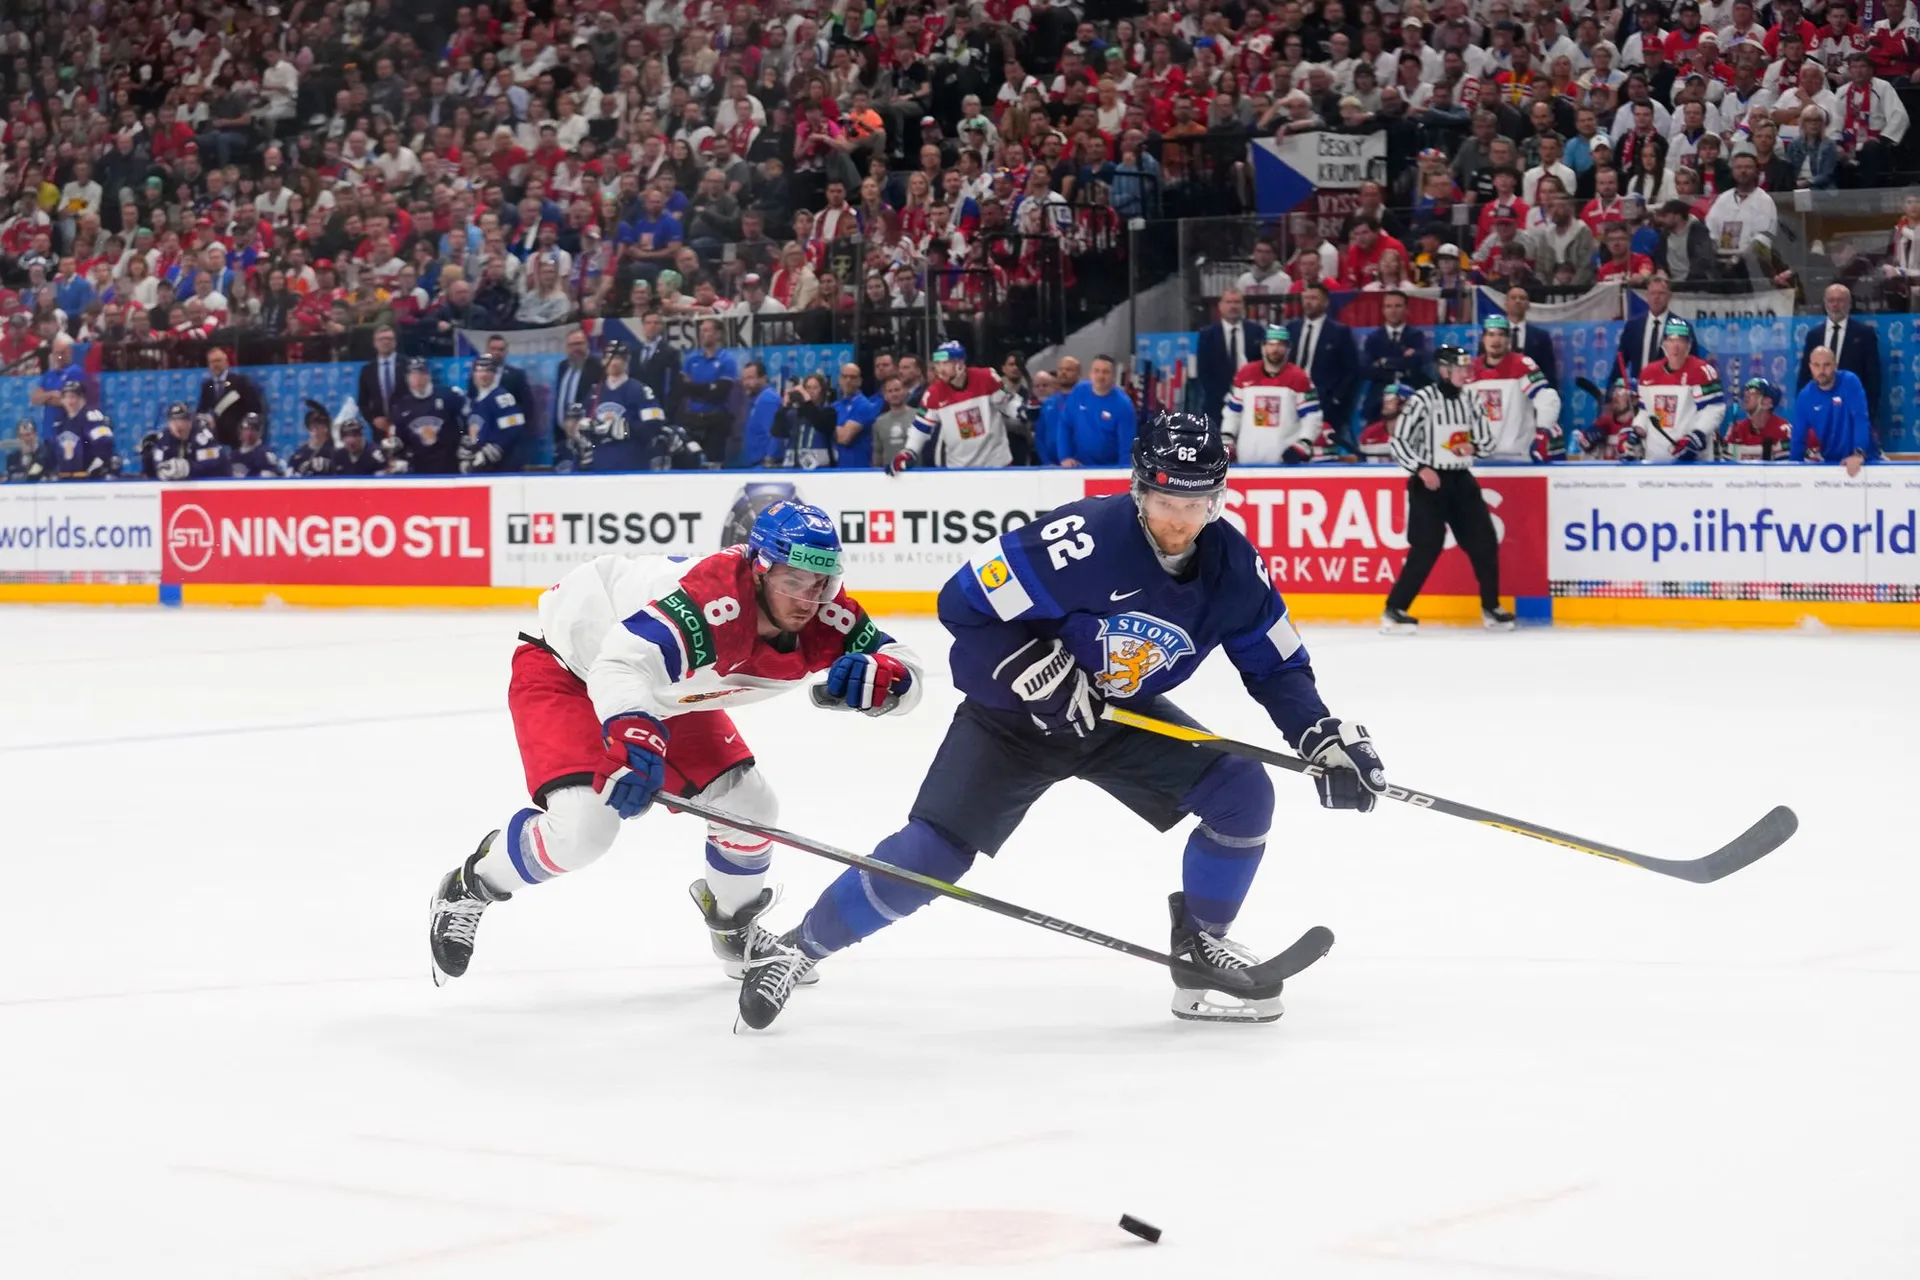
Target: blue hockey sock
point(1234, 802)
point(860, 904)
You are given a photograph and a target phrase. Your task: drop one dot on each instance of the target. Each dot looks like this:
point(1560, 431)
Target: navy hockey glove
point(1352, 776)
point(635, 765)
point(866, 681)
point(1057, 690)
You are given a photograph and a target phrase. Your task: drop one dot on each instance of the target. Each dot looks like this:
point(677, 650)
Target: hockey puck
point(1145, 1230)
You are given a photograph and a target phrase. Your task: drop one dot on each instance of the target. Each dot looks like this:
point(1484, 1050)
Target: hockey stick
point(1756, 842)
point(1258, 982)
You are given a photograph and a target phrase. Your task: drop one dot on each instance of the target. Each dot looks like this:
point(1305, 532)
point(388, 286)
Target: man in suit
point(1854, 344)
point(1331, 358)
point(574, 382)
point(1640, 337)
point(513, 381)
point(1394, 353)
point(1530, 342)
point(1223, 347)
point(382, 380)
point(229, 397)
point(656, 362)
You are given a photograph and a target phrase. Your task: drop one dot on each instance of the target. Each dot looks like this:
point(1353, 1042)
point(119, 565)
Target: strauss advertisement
point(1348, 533)
point(324, 535)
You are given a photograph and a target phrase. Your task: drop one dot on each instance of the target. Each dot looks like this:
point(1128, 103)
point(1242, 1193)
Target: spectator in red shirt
point(1368, 244)
point(1618, 260)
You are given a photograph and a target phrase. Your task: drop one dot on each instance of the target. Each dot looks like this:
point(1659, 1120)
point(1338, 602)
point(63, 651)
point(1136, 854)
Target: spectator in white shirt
point(398, 165)
point(1743, 219)
point(280, 90)
point(1266, 275)
point(1550, 163)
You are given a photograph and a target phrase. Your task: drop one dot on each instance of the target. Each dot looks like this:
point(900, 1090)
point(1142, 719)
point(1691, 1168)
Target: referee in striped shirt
point(1437, 436)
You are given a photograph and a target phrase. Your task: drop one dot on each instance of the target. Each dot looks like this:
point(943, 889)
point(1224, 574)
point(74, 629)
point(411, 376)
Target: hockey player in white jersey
point(625, 690)
point(1272, 413)
point(962, 415)
point(1681, 403)
point(1519, 401)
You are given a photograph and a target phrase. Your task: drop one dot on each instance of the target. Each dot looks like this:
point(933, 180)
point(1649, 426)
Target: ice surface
point(221, 1054)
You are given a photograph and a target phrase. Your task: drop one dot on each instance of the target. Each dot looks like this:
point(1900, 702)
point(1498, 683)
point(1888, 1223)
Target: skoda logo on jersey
point(1135, 645)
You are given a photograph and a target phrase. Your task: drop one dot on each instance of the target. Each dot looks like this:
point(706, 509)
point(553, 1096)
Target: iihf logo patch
point(1135, 646)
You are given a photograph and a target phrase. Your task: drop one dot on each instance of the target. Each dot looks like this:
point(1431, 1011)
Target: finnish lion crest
point(1135, 646)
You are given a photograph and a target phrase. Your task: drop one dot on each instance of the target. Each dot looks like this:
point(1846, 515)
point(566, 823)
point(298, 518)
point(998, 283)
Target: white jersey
point(1269, 415)
point(668, 636)
point(1684, 402)
point(966, 420)
point(1517, 400)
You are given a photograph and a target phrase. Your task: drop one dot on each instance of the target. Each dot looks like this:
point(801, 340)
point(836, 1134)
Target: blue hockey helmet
point(798, 549)
point(950, 351)
point(1766, 387)
point(178, 409)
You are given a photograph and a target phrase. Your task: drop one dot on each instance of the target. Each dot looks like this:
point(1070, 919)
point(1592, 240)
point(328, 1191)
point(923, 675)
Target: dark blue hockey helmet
point(615, 350)
point(487, 362)
point(178, 409)
point(1181, 454)
point(418, 364)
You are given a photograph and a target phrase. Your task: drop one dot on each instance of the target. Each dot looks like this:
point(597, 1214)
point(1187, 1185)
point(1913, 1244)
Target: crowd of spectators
point(174, 172)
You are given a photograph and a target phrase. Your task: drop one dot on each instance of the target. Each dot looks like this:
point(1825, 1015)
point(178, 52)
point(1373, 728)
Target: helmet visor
point(802, 585)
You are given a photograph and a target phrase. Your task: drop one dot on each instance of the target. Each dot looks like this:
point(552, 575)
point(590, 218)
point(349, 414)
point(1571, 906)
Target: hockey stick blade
point(1256, 982)
point(1751, 845)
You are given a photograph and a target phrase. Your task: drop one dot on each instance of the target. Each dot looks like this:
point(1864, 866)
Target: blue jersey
point(496, 417)
point(205, 456)
point(82, 445)
point(429, 427)
point(257, 461)
point(1087, 574)
point(623, 426)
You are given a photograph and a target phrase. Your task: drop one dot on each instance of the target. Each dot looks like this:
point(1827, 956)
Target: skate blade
point(1494, 625)
point(1399, 628)
point(1195, 1006)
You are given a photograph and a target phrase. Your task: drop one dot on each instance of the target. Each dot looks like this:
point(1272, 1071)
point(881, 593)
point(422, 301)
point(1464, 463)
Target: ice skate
point(772, 975)
point(732, 934)
point(457, 905)
point(1209, 952)
point(1497, 619)
point(1398, 622)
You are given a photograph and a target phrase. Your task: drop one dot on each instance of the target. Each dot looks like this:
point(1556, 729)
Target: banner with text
point(79, 533)
point(332, 534)
point(1731, 532)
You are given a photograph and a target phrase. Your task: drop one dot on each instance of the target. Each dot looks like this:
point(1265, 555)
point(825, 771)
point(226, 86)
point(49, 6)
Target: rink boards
point(1691, 545)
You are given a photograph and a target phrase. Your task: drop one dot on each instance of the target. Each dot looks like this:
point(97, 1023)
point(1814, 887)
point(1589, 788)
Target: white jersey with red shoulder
point(1686, 404)
point(1272, 415)
point(965, 420)
point(1518, 401)
point(671, 635)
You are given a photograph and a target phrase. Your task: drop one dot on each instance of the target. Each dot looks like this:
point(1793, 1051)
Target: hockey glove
point(1630, 444)
point(1057, 691)
point(1688, 447)
point(869, 682)
point(635, 765)
point(901, 461)
point(172, 469)
point(390, 445)
point(1351, 776)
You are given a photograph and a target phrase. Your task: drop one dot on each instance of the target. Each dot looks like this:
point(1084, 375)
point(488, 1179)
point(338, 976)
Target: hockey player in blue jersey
point(428, 422)
point(315, 457)
point(253, 458)
point(1112, 598)
point(623, 422)
point(35, 460)
point(188, 449)
point(496, 422)
point(82, 438)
